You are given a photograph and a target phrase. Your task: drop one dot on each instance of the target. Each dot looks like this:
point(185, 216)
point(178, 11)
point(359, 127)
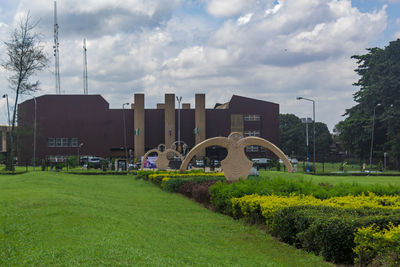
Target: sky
point(264, 49)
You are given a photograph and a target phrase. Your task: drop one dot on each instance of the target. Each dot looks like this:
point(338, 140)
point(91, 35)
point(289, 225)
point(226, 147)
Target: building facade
point(72, 125)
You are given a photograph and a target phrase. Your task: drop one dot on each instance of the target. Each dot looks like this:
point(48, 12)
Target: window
point(74, 142)
point(252, 149)
point(252, 133)
point(51, 142)
point(252, 117)
point(64, 142)
point(58, 142)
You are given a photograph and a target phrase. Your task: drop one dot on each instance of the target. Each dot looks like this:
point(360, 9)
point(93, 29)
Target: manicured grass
point(49, 218)
point(384, 180)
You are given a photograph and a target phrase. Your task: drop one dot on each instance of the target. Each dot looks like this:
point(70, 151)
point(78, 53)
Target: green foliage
point(173, 185)
point(221, 193)
point(72, 161)
point(327, 231)
point(379, 83)
point(59, 166)
point(378, 247)
point(43, 165)
point(293, 137)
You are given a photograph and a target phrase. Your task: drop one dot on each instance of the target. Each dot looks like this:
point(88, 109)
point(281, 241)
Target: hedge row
point(222, 193)
point(376, 246)
point(193, 184)
point(327, 231)
point(325, 227)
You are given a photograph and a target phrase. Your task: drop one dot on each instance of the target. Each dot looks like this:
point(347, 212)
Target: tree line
point(379, 93)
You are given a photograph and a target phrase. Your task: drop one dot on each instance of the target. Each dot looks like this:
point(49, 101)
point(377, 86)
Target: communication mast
point(56, 53)
point(85, 78)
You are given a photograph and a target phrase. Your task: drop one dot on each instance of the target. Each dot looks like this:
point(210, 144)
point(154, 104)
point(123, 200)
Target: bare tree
point(25, 56)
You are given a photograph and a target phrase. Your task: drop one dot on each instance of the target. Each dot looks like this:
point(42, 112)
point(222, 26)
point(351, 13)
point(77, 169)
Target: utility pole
point(372, 137)
point(56, 52)
point(85, 74)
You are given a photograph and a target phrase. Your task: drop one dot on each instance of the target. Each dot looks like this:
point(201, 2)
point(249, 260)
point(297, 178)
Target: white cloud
point(273, 10)
point(244, 19)
point(226, 8)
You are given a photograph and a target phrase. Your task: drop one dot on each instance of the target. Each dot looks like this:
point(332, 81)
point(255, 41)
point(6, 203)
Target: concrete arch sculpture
point(162, 161)
point(236, 165)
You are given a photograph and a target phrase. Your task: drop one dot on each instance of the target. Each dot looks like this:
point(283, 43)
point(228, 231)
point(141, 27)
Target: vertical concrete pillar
point(169, 116)
point(200, 121)
point(139, 125)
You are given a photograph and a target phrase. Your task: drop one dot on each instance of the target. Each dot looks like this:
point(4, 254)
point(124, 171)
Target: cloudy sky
point(265, 49)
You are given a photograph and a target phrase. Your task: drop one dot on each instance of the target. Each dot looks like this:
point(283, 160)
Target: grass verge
point(51, 218)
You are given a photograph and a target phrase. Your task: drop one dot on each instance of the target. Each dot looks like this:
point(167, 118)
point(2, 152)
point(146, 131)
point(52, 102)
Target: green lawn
point(392, 180)
point(49, 218)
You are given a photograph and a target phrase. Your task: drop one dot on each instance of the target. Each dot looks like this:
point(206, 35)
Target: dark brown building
point(84, 124)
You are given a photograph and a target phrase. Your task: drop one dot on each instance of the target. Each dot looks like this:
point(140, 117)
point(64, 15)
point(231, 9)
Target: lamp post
point(305, 120)
point(123, 118)
point(372, 137)
point(303, 98)
point(9, 122)
point(179, 99)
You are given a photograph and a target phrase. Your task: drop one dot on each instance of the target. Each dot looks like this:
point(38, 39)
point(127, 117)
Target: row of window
point(57, 158)
point(251, 133)
point(62, 142)
point(255, 149)
point(252, 117)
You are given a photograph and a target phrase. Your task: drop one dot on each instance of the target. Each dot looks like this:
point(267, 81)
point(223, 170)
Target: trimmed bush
point(221, 193)
point(327, 231)
point(377, 246)
point(173, 184)
point(199, 191)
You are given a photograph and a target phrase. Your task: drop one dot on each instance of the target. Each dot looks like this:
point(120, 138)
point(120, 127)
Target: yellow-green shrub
point(252, 206)
point(159, 177)
point(378, 246)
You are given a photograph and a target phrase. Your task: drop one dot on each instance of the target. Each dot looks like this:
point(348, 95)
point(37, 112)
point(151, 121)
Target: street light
point(123, 118)
point(8, 109)
point(179, 99)
point(303, 98)
point(372, 137)
point(9, 122)
point(305, 120)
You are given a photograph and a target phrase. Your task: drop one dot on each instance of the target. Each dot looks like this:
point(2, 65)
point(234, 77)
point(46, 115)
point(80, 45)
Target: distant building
point(68, 123)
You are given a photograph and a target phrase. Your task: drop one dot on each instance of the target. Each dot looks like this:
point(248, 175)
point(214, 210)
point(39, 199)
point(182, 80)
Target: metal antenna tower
point(56, 53)
point(85, 79)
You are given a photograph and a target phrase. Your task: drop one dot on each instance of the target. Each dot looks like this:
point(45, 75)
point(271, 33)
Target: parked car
point(261, 160)
point(199, 163)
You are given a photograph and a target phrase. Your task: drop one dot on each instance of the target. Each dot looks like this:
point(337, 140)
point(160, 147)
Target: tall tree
point(379, 85)
point(293, 137)
point(25, 56)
